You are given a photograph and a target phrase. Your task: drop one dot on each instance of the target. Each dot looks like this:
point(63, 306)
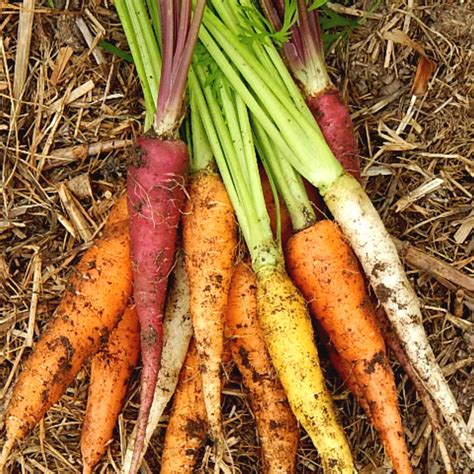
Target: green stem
point(201, 153)
point(155, 19)
point(147, 44)
point(287, 180)
point(256, 67)
point(132, 40)
point(303, 139)
point(239, 15)
point(238, 84)
point(228, 129)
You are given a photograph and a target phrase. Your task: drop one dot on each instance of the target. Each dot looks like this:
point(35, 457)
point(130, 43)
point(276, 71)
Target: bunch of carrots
point(246, 136)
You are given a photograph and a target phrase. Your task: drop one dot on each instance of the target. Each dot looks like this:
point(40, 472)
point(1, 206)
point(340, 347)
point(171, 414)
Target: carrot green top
point(144, 47)
point(227, 124)
point(233, 34)
point(304, 52)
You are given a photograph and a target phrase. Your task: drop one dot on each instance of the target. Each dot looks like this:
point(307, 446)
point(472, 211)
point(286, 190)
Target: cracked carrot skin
point(327, 272)
point(111, 369)
point(276, 424)
point(93, 302)
point(210, 242)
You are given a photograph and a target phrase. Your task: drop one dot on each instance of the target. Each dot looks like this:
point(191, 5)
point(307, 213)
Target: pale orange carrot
point(187, 426)
point(111, 369)
point(210, 240)
point(325, 269)
point(276, 424)
point(93, 303)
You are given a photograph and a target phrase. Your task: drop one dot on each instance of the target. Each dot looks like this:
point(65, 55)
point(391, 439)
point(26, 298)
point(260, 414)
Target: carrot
point(155, 186)
point(281, 309)
point(327, 272)
point(93, 303)
point(210, 241)
point(177, 332)
point(156, 201)
point(304, 55)
point(276, 424)
point(187, 426)
point(110, 373)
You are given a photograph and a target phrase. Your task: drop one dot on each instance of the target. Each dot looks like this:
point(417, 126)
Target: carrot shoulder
point(276, 424)
point(187, 425)
point(325, 269)
point(110, 373)
point(93, 302)
point(210, 240)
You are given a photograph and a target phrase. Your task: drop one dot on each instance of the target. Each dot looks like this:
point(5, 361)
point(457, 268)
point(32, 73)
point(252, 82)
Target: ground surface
point(57, 94)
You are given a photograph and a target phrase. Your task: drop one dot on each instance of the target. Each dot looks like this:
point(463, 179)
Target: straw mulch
point(58, 90)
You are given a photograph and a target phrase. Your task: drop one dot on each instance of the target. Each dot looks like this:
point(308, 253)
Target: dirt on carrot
point(92, 304)
point(327, 272)
point(276, 424)
point(111, 369)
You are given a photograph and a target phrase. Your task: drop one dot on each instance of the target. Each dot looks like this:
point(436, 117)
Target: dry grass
point(417, 163)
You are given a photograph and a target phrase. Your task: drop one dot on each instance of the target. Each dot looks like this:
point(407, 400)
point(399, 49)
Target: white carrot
point(177, 331)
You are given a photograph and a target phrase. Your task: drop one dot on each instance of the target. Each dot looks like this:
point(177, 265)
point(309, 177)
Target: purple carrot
point(155, 187)
point(304, 56)
point(156, 197)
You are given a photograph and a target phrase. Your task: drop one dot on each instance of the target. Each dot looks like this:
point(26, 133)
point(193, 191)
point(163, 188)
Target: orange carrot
point(187, 426)
point(342, 367)
point(93, 303)
point(110, 373)
point(276, 424)
point(346, 373)
point(325, 269)
point(210, 240)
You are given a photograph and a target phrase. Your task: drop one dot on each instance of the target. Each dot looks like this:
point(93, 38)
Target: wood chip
point(75, 213)
point(80, 186)
point(64, 156)
point(90, 40)
point(464, 229)
point(438, 268)
point(37, 266)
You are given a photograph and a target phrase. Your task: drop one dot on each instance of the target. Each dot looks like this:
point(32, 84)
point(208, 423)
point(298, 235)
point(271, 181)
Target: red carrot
point(304, 55)
point(155, 186)
point(155, 201)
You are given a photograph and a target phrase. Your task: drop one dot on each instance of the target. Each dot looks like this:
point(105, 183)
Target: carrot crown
point(227, 125)
point(143, 43)
point(179, 35)
point(303, 52)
